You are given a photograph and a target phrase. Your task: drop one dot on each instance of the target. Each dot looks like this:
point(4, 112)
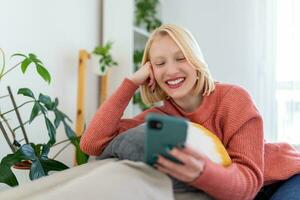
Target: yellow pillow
point(207, 143)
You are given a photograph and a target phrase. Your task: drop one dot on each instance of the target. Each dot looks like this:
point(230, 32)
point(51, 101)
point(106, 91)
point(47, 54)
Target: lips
point(175, 82)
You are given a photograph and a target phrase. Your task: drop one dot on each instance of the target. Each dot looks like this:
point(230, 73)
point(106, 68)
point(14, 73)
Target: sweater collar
point(203, 112)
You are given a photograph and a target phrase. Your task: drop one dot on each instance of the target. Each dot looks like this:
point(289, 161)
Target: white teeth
point(174, 82)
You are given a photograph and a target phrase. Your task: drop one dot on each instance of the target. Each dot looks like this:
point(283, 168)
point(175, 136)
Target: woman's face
point(172, 72)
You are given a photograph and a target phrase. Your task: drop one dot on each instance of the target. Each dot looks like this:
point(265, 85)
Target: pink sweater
point(229, 113)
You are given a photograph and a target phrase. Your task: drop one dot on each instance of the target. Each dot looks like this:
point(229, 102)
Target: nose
point(172, 68)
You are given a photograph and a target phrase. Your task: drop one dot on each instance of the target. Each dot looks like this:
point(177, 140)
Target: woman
point(174, 71)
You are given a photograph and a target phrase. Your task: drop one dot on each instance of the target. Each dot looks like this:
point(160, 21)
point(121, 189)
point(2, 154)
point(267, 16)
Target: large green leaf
point(36, 170)
point(34, 112)
point(69, 132)
point(34, 59)
point(65, 116)
point(18, 54)
point(58, 118)
point(46, 100)
point(51, 131)
point(53, 165)
point(81, 158)
point(43, 72)
point(7, 176)
point(45, 152)
point(12, 159)
point(26, 92)
point(25, 63)
point(28, 151)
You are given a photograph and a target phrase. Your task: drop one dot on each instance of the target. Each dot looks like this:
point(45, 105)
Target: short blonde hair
point(192, 52)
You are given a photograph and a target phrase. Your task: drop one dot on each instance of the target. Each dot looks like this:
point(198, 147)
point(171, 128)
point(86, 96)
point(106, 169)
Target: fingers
point(187, 172)
point(168, 166)
point(191, 151)
point(151, 83)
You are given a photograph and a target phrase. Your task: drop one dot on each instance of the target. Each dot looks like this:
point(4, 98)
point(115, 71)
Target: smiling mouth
point(175, 83)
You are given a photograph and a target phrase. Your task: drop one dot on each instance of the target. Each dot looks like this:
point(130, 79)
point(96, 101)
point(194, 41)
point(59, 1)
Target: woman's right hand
point(143, 76)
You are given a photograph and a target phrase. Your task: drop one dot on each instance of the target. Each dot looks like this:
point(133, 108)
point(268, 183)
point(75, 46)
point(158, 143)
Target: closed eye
point(181, 59)
point(160, 64)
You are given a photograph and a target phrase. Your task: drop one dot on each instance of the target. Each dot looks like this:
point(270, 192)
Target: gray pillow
point(129, 145)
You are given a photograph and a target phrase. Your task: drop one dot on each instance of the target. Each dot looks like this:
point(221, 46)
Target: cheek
point(157, 74)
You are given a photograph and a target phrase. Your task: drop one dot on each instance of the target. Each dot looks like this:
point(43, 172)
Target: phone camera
point(155, 124)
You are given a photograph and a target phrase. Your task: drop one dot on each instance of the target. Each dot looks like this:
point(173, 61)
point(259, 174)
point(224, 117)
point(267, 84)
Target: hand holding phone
point(162, 133)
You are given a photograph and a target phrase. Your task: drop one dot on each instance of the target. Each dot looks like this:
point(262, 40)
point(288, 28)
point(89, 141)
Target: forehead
point(163, 46)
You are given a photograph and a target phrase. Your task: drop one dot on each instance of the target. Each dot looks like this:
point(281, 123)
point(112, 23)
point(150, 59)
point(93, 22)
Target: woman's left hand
point(191, 167)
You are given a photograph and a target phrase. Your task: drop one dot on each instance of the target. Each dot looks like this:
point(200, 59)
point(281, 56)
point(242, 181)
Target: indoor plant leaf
point(12, 159)
point(43, 72)
point(46, 100)
point(26, 92)
point(34, 58)
point(45, 152)
point(81, 157)
point(51, 130)
point(53, 165)
point(34, 112)
point(69, 132)
point(18, 54)
point(25, 63)
point(7, 176)
point(36, 170)
point(58, 118)
point(28, 151)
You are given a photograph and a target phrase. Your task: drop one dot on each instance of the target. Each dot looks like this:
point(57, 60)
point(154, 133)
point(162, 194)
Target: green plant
point(43, 106)
point(106, 59)
point(145, 14)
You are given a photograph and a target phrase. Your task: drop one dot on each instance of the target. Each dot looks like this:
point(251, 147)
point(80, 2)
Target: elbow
point(87, 146)
point(257, 181)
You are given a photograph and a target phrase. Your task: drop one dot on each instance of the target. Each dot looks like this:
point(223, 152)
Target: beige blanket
point(106, 179)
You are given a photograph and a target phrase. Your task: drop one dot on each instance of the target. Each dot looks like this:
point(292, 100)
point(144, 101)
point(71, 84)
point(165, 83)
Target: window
point(288, 70)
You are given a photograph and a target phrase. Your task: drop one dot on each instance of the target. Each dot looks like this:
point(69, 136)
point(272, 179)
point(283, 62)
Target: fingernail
point(181, 146)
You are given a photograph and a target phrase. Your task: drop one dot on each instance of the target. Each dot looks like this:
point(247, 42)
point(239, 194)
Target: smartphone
point(163, 133)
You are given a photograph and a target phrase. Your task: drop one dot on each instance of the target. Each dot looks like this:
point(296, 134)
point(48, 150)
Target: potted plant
point(102, 59)
point(23, 152)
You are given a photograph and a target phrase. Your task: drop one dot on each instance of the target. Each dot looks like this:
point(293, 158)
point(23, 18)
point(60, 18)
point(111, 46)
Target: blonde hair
point(192, 52)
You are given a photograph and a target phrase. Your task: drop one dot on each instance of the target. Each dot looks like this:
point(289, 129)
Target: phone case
point(162, 133)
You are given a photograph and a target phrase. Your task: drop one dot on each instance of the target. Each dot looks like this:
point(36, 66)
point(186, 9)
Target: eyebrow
point(176, 53)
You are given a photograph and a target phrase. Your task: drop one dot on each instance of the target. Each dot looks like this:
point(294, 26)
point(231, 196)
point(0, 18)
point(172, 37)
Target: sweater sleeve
point(107, 123)
point(242, 129)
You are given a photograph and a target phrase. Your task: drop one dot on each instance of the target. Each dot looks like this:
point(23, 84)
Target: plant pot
point(21, 171)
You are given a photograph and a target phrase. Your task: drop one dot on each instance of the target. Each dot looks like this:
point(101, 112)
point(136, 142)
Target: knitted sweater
point(229, 113)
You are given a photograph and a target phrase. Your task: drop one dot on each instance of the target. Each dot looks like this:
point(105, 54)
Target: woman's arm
point(107, 122)
point(242, 128)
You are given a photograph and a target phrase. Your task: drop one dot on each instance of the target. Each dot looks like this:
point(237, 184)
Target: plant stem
point(61, 150)
point(6, 137)
point(17, 107)
point(63, 141)
point(10, 69)
point(4, 96)
point(18, 114)
point(23, 124)
point(3, 66)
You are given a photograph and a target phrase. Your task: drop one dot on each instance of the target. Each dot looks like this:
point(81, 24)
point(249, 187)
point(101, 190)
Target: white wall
point(231, 35)
point(54, 30)
point(117, 27)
